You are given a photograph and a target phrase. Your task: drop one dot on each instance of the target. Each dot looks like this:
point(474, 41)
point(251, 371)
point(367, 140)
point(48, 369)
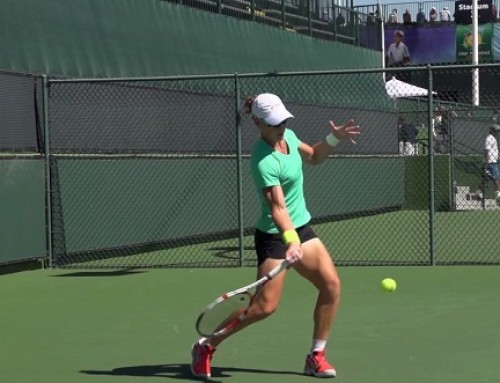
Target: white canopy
point(397, 89)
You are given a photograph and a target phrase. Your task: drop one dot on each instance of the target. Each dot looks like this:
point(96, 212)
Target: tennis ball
point(389, 285)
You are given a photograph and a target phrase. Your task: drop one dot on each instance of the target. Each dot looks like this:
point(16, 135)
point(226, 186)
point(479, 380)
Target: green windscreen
point(122, 38)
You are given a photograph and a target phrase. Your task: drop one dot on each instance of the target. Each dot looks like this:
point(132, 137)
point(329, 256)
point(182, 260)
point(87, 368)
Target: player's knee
point(265, 310)
point(333, 287)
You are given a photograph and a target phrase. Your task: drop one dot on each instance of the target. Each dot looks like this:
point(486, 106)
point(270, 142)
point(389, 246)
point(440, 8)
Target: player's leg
point(317, 267)
point(266, 300)
point(264, 304)
point(495, 174)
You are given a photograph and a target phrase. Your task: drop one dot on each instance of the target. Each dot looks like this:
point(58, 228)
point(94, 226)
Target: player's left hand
point(349, 131)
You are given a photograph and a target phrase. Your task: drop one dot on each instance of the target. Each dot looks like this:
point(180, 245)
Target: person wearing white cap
point(398, 53)
point(445, 15)
point(433, 15)
point(283, 230)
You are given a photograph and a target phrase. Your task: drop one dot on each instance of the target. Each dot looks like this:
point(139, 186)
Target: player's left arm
point(319, 152)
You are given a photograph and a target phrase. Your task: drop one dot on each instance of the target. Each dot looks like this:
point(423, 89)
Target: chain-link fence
point(155, 172)
point(22, 222)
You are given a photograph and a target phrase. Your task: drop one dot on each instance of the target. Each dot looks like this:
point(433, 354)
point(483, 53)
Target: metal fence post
point(430, 123)
point(48, 189)
point(239, 168)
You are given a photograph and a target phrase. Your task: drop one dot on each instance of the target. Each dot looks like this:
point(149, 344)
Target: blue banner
point(427, 45)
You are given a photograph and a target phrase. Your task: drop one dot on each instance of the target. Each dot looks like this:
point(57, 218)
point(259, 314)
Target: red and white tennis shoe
point(201, 365)
point(318, 366)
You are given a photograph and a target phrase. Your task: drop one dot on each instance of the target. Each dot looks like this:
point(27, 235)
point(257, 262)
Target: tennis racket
point(228, 310)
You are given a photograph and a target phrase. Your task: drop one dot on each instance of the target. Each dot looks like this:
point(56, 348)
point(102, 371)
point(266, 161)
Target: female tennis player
point(283, 231)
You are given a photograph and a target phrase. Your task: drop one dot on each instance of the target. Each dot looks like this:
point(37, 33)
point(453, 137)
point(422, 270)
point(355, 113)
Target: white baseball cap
point(270, 109)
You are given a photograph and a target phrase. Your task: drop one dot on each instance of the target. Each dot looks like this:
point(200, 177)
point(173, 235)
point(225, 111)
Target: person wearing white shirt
point(491, 165)
point(393, 17)
point(437, 132)
point(491, 158)
point(398, 53)
point(445, 15)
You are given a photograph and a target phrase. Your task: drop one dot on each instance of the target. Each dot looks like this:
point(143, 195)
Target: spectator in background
point(491, 164)
point(433, 15)
point(495, 118)
point(444, 15)
point(421, 16)
point(407, 17)
point(340, 20)
point(493, 13)
point(438, 131)
point(408, 137)
point(441, 128)
point(398, 53)
point(326, 16)
point(393, 16)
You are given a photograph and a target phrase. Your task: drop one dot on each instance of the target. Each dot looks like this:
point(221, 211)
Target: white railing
point(414, 8)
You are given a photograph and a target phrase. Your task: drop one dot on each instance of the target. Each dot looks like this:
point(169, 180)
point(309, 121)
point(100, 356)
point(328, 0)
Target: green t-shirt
point(271, 168)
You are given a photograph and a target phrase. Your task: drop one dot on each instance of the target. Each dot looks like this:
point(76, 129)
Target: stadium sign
point(463, 11)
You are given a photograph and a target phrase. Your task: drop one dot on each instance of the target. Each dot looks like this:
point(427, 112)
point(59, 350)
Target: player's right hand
point(294, 252)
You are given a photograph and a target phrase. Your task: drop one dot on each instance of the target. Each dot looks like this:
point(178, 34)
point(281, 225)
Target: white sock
point(498, 194)
point(318, 345)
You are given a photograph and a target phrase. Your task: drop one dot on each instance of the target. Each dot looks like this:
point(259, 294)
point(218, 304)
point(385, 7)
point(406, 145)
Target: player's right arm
point(276, 200)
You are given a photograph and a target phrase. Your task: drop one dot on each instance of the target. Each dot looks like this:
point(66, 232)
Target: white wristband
point(332, 140)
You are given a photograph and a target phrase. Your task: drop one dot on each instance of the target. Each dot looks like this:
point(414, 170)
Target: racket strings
point(224, 314)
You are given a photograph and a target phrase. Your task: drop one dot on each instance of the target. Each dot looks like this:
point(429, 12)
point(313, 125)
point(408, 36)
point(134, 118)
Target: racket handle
point(278, 269)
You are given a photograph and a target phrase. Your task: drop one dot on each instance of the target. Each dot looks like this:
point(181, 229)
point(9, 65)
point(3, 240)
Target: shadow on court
point(114, 273)
point(229, 252)
point(181, 371)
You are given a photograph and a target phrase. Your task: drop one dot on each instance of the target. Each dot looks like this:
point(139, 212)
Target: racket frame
point(254, 285)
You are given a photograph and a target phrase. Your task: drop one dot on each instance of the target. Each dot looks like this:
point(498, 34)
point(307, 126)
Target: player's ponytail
point(247, 106)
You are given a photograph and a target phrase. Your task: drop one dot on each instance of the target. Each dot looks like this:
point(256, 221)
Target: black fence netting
point(20, 113)
point(155, 172)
